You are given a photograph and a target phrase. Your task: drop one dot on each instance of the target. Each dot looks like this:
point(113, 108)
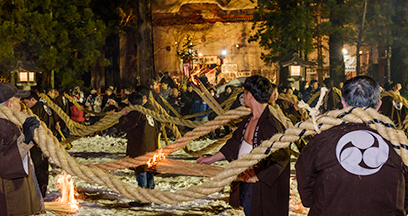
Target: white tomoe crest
point(362, 152)
point(150, 120)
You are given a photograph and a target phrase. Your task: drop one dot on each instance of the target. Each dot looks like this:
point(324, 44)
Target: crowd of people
point(263, 189)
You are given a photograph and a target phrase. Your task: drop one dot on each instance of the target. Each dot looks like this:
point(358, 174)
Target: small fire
point(67, 188)
point(152, 163)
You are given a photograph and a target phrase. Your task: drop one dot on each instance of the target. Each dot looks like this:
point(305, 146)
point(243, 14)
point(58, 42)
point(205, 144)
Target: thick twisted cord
point(82, 130)
point(295, 102)
point(314, 112)
point(162, 111)
point(209, 102)
point(209, 147)
point(398, 98)
point(227, 104)
point(170, 107)
point(369, 116)
point(179, 143)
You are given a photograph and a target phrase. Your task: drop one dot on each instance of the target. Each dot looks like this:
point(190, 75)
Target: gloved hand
point(28, 128)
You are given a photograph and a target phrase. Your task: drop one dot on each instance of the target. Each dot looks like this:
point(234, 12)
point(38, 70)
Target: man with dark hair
point(63, 103)
point(263, 188)
point(332, 99)
point(40, 161)
point(350, 169)
point(291, 85)
point(313, 88)
point(168, 80)
point(109, 100)
point(165, 91)
point(142, 134)
point(187, 98)
point(126, 92)
point(19, 192)
point(175, 101)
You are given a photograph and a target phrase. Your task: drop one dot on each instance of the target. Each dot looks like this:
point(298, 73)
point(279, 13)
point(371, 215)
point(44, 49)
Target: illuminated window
point(295, 70)
point(23, 76)
point(31, 77)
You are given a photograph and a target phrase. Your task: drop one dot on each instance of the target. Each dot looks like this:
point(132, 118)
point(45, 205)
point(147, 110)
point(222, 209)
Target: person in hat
point(19, 192)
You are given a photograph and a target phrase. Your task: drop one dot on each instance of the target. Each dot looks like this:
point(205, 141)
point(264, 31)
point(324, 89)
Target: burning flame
point(67, 188)
point(152, 163)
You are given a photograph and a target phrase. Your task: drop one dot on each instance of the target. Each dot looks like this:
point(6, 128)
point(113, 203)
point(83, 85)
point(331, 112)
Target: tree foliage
point(283, 27)
point(59, 35)
point(304, 26)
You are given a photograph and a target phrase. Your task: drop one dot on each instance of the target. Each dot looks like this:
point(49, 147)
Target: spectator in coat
point(199, 105)
point(175, 101)
point(77, 114)
point(107, 98)
point(350, 169)
point(168, 80)
point(393, 109)
point(263, 189)
point(310, 91)
point(142, 134)
point(332, 100)
point(187, 99)
point(64, 104)
point(165, 91)
point(126, 92)
point(93, 103)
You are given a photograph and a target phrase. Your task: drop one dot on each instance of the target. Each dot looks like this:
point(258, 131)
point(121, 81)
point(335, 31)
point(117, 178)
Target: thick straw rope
point(179, 143)
point(111, 118)
point(50, 147)
point(317, 94)
point(169, 106)
point(227, 104)
point(293, 100)
point(398, 98)
point(162, 111)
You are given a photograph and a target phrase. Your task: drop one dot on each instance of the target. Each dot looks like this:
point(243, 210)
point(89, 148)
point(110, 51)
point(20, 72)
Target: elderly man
point(350, 169)
point(269, 195)
point(40, 161)
point(19, 192)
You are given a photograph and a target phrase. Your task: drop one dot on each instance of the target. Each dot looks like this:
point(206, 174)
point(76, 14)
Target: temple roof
point(26, 66)
point(173, 6)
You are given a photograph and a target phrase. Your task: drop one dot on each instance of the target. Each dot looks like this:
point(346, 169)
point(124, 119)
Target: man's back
point(351, 170)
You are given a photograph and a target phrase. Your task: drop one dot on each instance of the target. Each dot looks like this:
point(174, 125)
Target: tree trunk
point(399, 59)
point(359, 40)
point(145, 42)
point(335, 50)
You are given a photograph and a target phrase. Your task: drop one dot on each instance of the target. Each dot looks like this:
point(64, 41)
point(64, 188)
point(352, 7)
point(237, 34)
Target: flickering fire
point(67, 188)
point(152, 163)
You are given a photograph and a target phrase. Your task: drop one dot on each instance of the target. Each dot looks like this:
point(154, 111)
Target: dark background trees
point(305, 26)
point(59, 36)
